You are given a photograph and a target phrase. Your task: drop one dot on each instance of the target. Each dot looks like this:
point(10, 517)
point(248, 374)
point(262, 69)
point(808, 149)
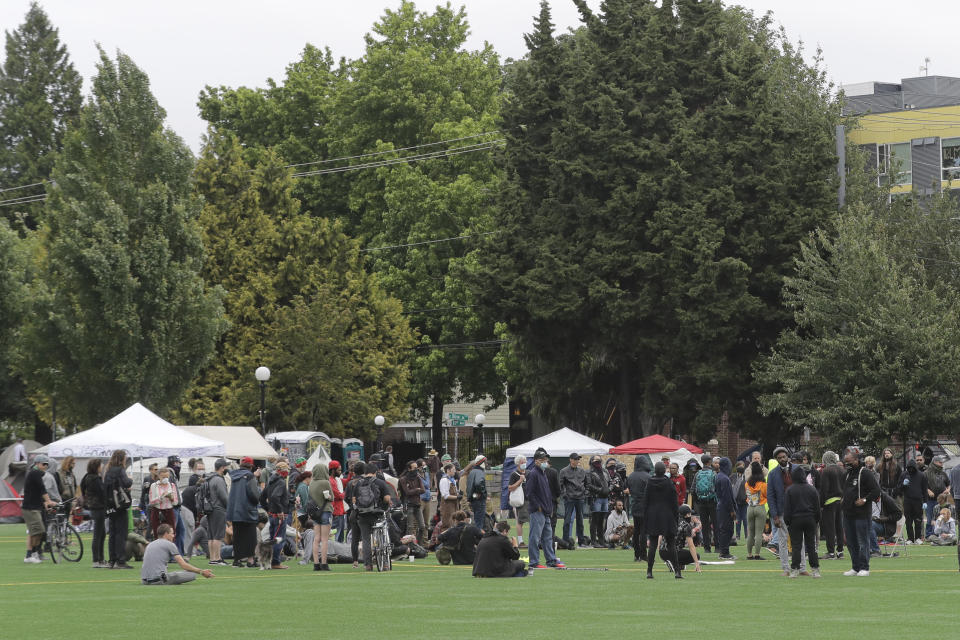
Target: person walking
point(801, 512)
point(115, 483)
point(755, 489)
point(659, 504)
point(95, 501)
point(860, 490)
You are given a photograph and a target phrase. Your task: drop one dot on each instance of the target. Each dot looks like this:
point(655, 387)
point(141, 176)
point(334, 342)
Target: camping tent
point(560, 444)
point(654, 444)
point(139, 432)
point(19, 471)
point(238, 441)
point(10, 511)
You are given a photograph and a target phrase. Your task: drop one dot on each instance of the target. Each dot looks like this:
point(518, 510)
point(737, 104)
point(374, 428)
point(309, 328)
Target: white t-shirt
point(445, 486)
point(19, 453)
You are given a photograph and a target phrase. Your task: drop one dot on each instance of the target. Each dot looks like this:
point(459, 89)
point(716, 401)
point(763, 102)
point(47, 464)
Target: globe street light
point(263, 374)
point(479, 420)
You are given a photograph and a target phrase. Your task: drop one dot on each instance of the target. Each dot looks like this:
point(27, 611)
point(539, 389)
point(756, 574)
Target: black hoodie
point(801, 500)
point(913, 483)
point(637, 484)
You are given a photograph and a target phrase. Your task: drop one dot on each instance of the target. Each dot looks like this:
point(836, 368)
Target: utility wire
point(10, 203)
point(417, 311)
point(482, 146)
point(485, 344)
point(26, 186)
point(380, 153)
point(416, 244)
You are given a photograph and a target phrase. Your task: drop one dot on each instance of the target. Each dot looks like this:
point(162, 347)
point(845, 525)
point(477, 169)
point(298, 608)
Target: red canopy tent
point(654, 444)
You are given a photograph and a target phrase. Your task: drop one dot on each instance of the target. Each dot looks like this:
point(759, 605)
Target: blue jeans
point(931, 508)
point(340, 524)
point(742, 519)
point(571, 508)
point(600, 505)
point(540, 532)
point(858, 541)
point(278, 528)
point(479, 509)
point(876, 530)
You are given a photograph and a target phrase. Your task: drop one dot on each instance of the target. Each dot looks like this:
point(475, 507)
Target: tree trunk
point(625, 405)
point(42, 432)
point(649, 424)
point(437, 422)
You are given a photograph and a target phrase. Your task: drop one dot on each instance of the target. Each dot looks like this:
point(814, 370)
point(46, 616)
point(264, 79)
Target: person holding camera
point(498, 555)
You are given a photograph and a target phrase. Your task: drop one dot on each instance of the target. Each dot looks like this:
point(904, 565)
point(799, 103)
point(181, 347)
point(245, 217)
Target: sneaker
point(918, 541)
point(539, 566)
point(863, 573)
point(217, 562)
point(829, 556)
point(727, 556)
point(805, 573)
point(908, 542)
point(874, 554)
point(32, 559)
point(839, 555)
point(794, 573)
point(816, 573)
point(101, 565)
point(121, 565)
point(278, 566)
point(851, 572)
point(557, 565)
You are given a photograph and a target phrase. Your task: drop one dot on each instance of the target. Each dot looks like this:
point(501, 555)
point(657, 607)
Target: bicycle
point(63, 541)
point(380, 545)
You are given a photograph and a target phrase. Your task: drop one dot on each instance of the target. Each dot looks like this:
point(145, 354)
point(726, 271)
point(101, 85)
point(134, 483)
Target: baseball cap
point(333, 465)
point(173, 459)
point(41, 459)
point(247, 460)
point(574, 456)
point(540, 454)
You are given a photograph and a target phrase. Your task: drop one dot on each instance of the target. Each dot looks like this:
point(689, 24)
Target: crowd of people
point(324, 516)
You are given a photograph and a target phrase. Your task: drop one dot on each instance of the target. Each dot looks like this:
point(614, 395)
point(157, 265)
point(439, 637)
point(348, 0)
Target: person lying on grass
point(159, 553)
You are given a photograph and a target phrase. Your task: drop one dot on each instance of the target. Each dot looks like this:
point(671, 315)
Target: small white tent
point(560, 444)
point(139, 432)
point(239, 442)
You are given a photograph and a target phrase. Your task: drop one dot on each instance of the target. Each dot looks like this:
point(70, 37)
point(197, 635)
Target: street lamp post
point(379, 421)
point(263, 374)
point(480, 419)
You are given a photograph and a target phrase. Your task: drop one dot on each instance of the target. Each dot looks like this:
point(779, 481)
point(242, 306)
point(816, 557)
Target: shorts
point(326, 518)
point(521, 513)
point(217, 524)
point(33, 518)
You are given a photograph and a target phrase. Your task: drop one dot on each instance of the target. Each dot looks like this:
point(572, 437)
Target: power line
point(24, 200)
point(380, 153)
point(482, 146)
point(484, 344)
point(417, 311)
point(26, 186)
point(416, 244)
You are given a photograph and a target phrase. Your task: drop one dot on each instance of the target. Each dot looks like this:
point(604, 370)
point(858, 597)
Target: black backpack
point(368, 495)
point(202, 497)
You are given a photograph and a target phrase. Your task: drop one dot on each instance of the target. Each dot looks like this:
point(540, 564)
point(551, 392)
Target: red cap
point(247, 460)
point(333, 465)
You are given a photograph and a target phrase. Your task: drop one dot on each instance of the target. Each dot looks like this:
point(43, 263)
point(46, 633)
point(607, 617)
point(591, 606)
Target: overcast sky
point(184, 46)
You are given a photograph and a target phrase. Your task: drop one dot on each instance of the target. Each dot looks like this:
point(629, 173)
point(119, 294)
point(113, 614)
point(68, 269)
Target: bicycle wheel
point(71, 545)
point(53, 542)
point(383, 551)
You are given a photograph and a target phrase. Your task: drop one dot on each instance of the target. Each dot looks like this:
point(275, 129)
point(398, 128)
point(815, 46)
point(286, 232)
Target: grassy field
point(422, 599)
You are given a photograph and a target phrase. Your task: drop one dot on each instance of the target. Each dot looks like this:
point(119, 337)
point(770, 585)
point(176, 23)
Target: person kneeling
point(686, 549)
point(498, 555)
point(619, 531)
point(159, 553)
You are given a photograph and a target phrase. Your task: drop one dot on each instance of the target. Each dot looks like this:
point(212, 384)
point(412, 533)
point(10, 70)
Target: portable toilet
point(352, 451)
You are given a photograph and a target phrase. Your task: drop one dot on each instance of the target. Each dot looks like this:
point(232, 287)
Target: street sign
point(457, 419)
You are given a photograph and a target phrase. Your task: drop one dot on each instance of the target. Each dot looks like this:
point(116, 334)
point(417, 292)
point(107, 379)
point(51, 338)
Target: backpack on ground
point(202, 498)
point(368, 496)
point(704, 485)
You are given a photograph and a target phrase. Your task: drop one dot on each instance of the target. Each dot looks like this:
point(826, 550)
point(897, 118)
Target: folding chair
point(899, 543)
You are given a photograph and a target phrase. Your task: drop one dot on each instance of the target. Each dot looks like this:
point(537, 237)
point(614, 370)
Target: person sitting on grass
point(160, 552)
point(685, 548)
point(944, 529)
point(618, 530)
point(498, 555)
point(462, 537)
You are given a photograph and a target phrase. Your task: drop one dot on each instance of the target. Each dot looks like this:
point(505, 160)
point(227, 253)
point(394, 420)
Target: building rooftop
point(923, 92)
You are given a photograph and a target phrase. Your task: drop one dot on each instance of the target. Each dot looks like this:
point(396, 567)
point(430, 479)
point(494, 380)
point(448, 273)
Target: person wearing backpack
point(212, 502)
point(477, 490)
point(705, 492)
point(369, 498)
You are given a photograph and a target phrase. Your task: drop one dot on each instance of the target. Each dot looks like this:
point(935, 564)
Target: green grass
point(422, 599)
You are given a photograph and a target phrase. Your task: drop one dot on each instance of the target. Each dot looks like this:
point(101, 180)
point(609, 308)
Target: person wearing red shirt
point(679, 483)
point(336, 486)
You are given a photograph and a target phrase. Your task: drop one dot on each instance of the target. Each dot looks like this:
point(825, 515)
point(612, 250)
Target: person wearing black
point(598, 492)
point(498, 555)
point(553, 481)
point(242, 511)
point(705, 499)
point(686, 550)
point(637, 487)
point(278, 505)
point(115, 481)
point(173, 463)
point(913, 488)
point(94, 501)
point(462, 538)
point(859, 492)
point(801, 512)
point(659, 503)
point(831, 491)
point(367, 515)
point(411, 488)
point(726, 509)
point(36, 498)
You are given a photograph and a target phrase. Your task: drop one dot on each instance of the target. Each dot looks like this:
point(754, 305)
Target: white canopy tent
point(239, 442)
point(560, 444)
point(680, 456)
point(139, 432)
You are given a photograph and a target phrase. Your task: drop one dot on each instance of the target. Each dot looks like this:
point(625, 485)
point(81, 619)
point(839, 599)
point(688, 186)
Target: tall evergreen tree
point(39, 95)
point(14, 261)
point(122, 313)
point(689, 152)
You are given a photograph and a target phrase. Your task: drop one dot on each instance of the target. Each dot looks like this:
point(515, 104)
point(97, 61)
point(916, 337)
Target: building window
point(895, 158)
point(950, 155)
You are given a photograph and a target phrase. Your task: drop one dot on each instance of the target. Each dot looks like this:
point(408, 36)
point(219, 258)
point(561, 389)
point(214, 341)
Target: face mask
point(523, 465)
point(544, 465)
